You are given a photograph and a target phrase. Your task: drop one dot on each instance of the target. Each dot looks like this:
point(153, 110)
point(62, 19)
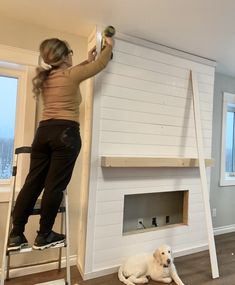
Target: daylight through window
point(8, 95)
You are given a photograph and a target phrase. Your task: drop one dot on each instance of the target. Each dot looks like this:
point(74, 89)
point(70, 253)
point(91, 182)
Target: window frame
point(20, 63)
point(20, 108)
point(228, 100)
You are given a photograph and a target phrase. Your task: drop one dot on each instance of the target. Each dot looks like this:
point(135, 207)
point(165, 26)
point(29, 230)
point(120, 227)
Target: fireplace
point(154, 211)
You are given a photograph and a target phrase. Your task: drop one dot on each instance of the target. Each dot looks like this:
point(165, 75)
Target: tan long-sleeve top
point(61, 93)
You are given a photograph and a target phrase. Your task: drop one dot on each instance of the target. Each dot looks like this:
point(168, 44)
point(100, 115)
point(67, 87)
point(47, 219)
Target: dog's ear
point(170, 252)
point(157, 255)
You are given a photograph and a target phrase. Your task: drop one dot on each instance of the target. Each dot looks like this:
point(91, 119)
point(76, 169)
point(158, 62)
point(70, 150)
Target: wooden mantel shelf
point(117, 161)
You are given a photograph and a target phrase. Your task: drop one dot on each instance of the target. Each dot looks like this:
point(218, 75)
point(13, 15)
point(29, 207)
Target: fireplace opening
point(153, 211)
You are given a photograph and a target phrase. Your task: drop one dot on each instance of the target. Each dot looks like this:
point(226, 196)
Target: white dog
point(159, 267)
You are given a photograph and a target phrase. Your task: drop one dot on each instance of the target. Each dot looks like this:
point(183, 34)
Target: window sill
point(227, 182)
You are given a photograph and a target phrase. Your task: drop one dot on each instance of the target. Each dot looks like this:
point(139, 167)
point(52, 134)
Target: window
point(12, 120)
point(228, 141)
point(18, 110)
point(8, 96)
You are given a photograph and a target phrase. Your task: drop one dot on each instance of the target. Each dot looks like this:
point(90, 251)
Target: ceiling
point(202, 27)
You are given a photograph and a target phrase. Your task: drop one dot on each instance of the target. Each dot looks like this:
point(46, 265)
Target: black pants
point(55, 148)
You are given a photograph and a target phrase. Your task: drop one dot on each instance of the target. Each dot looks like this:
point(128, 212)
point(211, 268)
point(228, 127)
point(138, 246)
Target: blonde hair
point(53, 52)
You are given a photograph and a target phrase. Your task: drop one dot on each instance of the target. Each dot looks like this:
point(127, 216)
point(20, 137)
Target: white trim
point(41, 268)
point(18, 55)
point(165, 49)
point(225, 181)
point(94, 164)
point(17, 62)
point(114, 269)
point(224, 230)
point(203, 177)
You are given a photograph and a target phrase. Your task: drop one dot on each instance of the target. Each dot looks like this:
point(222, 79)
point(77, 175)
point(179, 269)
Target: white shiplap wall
point(143, 107)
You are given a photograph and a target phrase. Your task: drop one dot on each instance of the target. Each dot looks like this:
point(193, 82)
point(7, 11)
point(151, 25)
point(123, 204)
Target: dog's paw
point(145, 280)
point(167, 280)
point(142, 280)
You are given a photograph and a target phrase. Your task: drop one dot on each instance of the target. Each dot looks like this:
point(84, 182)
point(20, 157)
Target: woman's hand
point(92, 54)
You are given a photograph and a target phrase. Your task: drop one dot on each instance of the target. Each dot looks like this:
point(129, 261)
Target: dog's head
point(163, 255)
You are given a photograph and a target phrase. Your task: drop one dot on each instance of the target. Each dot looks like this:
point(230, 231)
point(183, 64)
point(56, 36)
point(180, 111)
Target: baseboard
point(191, 250)
point(114, 269)
point(224, 230)
point(99, 273)
point(17, 272)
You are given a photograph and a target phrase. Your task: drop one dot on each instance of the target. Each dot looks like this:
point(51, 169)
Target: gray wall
point(221, 198)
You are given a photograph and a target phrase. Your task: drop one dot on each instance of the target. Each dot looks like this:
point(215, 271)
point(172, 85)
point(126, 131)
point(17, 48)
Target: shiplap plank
point(108, 231)
point(110, 195)
point(151, 129)
point(149, 86)
point(159, 119)
point(151, 108)
point(136, 247)
point(160, 67)
point(108, 149)
point(135, 138)
point(119, 241)
point(109, 207)
point(111, 219)
point(156, 77)
point(132, 93)
point(157, 56)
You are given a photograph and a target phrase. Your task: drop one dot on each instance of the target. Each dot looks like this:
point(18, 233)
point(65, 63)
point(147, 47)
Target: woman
point(57, 141)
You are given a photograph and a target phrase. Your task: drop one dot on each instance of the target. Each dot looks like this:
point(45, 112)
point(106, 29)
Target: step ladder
point(63, 209)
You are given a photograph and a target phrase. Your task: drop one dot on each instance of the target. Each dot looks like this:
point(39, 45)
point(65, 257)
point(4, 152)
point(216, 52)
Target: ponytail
point(38, 80)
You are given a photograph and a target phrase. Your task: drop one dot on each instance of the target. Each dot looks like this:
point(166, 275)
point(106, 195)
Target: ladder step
point(22, 250)
point(30, 248)
point(37, 208)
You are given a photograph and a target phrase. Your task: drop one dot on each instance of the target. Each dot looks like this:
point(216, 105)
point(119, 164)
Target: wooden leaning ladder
point(64, 228)
point(202, 169)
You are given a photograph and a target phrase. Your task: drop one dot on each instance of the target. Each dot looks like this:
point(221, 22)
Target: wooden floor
point(193, 269)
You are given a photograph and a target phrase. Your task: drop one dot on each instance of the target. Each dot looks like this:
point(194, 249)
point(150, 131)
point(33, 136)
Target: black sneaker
point(16, 242)
point(47, 240)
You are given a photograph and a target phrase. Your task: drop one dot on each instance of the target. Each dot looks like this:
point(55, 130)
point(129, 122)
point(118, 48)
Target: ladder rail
point(66, 224)
point(5, 256)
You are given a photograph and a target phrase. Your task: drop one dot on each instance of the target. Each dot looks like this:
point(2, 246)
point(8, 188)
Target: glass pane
point(8, 94)
point(229, 142)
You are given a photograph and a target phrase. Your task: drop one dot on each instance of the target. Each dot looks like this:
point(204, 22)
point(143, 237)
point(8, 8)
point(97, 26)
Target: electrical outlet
point(154, 222)
point(214, 212)
point(139, 224)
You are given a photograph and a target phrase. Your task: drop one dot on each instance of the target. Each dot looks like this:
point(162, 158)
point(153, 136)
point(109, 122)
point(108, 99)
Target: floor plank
point(193, 269)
